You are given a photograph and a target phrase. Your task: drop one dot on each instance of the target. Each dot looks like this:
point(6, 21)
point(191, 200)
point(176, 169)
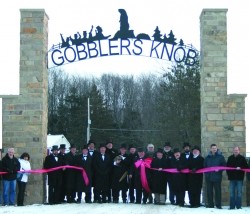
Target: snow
point(119, 208)
point(57, 140)
point(115, 208)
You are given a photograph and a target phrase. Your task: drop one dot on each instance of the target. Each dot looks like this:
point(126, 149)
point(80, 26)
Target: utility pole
point(89, 123)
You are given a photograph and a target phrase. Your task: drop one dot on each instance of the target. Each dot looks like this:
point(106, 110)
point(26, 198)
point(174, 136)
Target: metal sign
point(91, 45)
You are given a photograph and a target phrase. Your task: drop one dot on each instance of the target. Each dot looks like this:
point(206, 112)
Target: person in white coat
point(22, 177)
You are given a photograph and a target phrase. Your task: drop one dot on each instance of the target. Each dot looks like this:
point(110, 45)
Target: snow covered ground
point(115, 209)
point(120, 208)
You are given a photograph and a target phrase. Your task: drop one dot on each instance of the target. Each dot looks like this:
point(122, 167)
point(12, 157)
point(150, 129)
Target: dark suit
point(102, 169)
point(93, 153)
point(86, 164)
point(141, 193)
point(178, 181)
point(169, 155)
point(112, 154)
point(187, 157)
point(130, 163)
point(71, 177)
point(117, 184)
point(195, 180)
point(63, 190)
point(54, 178)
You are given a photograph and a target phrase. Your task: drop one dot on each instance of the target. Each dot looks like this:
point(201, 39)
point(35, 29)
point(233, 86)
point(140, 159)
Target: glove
point(9, 171)
point(178, 169)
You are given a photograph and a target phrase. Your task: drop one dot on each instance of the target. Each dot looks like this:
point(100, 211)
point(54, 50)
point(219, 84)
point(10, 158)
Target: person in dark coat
point(54, 177)
point(141, 193)
point(178, 181)
point(236, 177)
point(11, 165)
point(84, 161)
point(71, 175)
point(123, 151)
point(91, 148)
point(186, 155)
point(213, 179)
point(132, 156)
point(92, 153)
point(168, 154)
point(195, 179)
point(62, 156)
point(150, 153)
point(158, 177)
point(102, 168)
point(119, 180)
point(112, 152)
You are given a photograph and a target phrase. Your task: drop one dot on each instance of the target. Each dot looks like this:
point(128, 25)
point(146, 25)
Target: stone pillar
point(222, 115)
point(25, 116)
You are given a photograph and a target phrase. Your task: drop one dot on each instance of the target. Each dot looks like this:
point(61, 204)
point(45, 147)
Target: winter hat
point(91, 141)
point(102, 145)
point(62, 146)
point(72, 146)
point(131, 146)
point(197, 148)
point(85, 147)
point(186, 144)
point(176, 150)
point(159, 150)
point(123, 145)
point(167, 144)
point(55, 147)
point(140, 149)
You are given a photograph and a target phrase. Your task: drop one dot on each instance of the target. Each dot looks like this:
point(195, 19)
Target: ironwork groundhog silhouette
point(124, 31)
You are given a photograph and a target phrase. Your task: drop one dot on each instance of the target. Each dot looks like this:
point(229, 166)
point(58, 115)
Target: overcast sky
point(68, 17)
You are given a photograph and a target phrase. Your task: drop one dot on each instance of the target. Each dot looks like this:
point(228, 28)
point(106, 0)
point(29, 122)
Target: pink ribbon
point(40, 171)
point(143, 164)
point(147, 162)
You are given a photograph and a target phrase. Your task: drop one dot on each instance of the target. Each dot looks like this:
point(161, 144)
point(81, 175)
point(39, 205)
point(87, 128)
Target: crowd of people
point(113, 174)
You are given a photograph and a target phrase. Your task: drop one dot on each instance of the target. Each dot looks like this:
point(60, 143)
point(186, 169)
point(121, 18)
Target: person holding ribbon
point(54, 177)
point(168, 154)
point(132, 156)
point(92, 153)
point(187, 155)
point(62, 155)
point(70, 159)
point(22, 177)
point(141, 174)
point(178, 181)
point(119, 179)
point(236, 177)
point(84, 161)
point(102, 164)
point(214, 178)
point(195, 180)
point(11, 165)
point(159, 177)
point(112, 152)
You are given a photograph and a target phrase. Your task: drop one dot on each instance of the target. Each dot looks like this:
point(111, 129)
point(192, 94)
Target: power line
point(128, 130)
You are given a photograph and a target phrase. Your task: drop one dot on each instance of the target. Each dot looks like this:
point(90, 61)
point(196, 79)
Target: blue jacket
point(214, 160)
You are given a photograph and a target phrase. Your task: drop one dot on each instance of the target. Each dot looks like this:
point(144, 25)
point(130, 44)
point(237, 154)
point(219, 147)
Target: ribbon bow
point(143, 164)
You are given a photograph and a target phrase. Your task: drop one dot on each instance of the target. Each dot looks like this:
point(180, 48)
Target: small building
point(57, 140)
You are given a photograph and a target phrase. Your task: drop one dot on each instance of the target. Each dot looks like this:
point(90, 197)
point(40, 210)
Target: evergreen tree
point(157, 34)
point(179, 104)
